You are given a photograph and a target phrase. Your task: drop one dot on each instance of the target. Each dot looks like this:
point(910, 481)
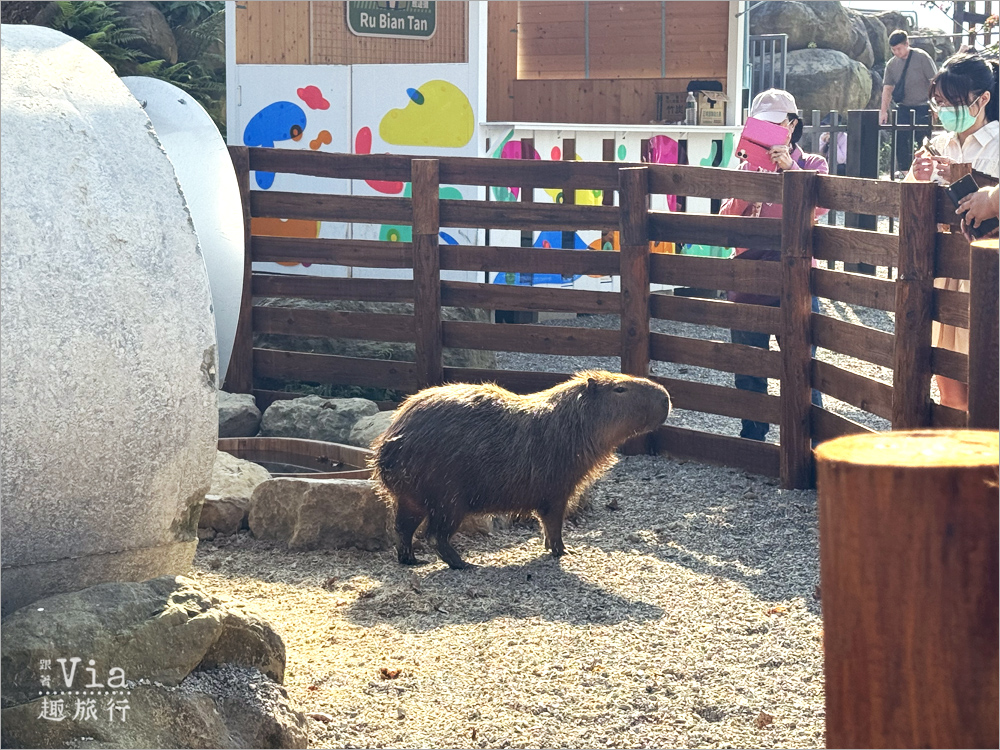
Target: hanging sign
point(401, 20)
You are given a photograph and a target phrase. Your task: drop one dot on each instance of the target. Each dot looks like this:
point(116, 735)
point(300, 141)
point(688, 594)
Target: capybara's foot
point(557, 548)
point(450, 555)
point(412, 561)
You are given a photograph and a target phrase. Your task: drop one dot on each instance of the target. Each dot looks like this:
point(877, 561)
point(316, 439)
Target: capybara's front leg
point(408, 518)
point(442, 526)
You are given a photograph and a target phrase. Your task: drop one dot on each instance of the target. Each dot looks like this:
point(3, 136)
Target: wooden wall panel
point(626, 40)
point(334, 44)
point(501, 59)
point(550, 41)
point(272, 32)
point(628, 101)
point(697, 39)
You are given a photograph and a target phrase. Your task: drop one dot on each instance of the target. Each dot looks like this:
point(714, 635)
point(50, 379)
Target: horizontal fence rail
point(280, 309)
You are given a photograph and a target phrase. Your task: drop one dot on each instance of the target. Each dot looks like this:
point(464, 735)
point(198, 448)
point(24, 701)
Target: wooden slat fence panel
point(854, 288)
point(314, 207)
point(516, 381)
point(709, 182)
point(857, 195)
point(756, 276)
point(333, 324)
point(720, 313)
point(721, 400)
point(827, 425)
point(951, 258)
point(852, 388)
point(951, 307)
point(854, 246)
point(750, 455)
point(325, 288)
point(724, 231)
point(951, 364)
point(578, 342)
point(540, 216)
point(329, 368)
point(854, 340)
point(716, 355)
point(539, 299)
point(359, 253)
point(528, 260)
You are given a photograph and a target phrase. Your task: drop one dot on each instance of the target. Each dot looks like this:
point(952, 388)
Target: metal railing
point(768, 56)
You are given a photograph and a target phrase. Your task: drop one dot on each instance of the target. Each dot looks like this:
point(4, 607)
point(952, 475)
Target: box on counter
point(670, 106)
point(711, 107)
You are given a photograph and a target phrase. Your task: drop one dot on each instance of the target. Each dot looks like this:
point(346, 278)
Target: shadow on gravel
point(712, 520)
point(538, 589)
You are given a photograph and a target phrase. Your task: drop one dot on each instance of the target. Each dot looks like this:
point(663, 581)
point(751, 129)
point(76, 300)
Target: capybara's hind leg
point(408, 518)
point(442, 527)
point(552, 524)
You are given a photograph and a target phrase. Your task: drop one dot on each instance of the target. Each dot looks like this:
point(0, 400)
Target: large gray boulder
point(820, 24)
point(861, 46)
point(934, 43)
point(108, 422)
point(398, 351)
point(315, 418)
point(238, 415)
point(878, 37)
point(155, 37)
point(792, 18)
point(825, 79)
point(320, 514)
point(875, 101)
point(228, 500)
point(192, 671)
point(895, 21)
point(366, 429)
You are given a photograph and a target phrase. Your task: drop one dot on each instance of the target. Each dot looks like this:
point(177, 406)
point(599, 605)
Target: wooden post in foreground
point(908, 564)
point(797, 220)
point(426, 272)
point(634, 265)
point(984, 324)
point(239, 374)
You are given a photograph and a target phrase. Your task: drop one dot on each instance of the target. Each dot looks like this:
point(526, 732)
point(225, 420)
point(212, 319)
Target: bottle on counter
point(691, 110)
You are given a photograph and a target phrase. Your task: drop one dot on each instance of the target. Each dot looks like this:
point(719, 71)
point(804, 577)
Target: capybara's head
point(618, 407)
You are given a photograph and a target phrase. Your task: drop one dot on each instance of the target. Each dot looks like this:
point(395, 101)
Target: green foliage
point(99, 25)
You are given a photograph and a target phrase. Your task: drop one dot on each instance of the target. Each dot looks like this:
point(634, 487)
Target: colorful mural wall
point(420, 109)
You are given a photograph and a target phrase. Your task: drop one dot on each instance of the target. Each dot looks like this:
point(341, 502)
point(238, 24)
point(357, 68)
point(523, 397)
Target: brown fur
point(463, 449)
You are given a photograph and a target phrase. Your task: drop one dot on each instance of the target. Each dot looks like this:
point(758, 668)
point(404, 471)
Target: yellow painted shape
point(444, 119)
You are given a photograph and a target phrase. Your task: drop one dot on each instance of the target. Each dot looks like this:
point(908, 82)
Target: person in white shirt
point(964, 96)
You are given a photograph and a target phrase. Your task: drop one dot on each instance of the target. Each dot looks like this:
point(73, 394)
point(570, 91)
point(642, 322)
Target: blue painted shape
point(279, 121)
point(415, 95)
point(554, 239)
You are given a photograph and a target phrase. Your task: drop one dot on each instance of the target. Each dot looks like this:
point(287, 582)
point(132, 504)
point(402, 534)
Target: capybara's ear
point(592, 385)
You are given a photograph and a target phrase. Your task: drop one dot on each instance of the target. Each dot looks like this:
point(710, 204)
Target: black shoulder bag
point(899, 90)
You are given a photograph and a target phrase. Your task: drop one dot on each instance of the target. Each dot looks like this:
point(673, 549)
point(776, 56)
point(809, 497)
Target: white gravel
point(684, 615)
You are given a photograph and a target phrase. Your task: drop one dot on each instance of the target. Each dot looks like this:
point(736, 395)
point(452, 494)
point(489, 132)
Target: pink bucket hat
point(773, 105)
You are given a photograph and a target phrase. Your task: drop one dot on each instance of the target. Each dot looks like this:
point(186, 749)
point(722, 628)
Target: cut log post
point(984, 324)
point(908, 565)
point(634, 234)
point(427, 272)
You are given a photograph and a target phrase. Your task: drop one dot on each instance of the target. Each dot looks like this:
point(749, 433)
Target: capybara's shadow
point(539, 588)
point(757, 535)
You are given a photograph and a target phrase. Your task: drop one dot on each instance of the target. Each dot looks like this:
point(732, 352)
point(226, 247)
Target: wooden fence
point(919, 254)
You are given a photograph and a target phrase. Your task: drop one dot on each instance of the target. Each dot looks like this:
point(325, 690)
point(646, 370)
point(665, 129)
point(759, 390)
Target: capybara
point(458, 449)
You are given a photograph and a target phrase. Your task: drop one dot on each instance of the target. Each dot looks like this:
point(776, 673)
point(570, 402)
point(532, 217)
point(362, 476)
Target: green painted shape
point(622, 152)
point(402, 233)
point(727, 152)
point(708, 251)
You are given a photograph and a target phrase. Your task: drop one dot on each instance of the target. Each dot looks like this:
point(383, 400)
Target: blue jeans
point(906, 141)
point(758, 430)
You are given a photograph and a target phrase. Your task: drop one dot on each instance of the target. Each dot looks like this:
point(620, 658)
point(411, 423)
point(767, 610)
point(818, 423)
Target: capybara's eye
point(620, 389)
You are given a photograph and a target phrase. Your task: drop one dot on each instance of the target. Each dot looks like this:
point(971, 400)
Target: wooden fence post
point(239, 374)
point(634, 265)
point(426, 272)
point(908, 566)
point(984, 323)
point(911, 379)
point(797, 219)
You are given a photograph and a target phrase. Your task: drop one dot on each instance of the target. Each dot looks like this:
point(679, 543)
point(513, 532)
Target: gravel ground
point(685, 614)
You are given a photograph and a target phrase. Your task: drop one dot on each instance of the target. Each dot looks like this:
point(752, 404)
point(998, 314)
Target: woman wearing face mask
point(776, 106)
point(964, 96)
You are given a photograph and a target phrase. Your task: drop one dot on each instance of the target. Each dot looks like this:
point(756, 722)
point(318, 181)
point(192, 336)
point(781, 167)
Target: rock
point(366, 429)
point(238, 415)
point(876, 96)
point(159, 631)
point(321, 514)
point(834, 29)
point(108, 357)
point(934, 43)
point(374, 349)
point(792, 18)
point(894, 21)
point(155, 37)
point(228, 500)
point(861, 46)
point(878, 37)
point(231, 707)
point(315, 418)
point(825, 79)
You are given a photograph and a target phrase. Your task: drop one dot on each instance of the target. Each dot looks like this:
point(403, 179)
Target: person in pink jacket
point(777, 106)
